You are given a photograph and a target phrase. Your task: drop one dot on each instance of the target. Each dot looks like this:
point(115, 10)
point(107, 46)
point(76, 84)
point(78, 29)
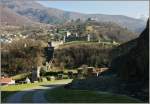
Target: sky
point(134, 9)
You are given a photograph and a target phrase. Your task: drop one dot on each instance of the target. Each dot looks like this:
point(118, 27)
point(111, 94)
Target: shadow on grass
point(6, 94)
point(24, 96)
point(60, 94)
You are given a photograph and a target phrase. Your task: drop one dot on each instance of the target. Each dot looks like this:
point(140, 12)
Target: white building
point(68, 33)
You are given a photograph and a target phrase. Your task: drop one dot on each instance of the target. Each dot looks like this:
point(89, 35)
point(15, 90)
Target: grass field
point(76, 43)
point(62, 95)
point(32, 85)
point(11, 89)
point(86, 42)
point(79, 42)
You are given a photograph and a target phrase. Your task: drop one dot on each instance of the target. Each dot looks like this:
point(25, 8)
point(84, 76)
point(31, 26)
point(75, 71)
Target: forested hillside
point(75, 55)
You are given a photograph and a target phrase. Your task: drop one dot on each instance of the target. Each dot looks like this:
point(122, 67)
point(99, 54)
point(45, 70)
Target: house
point(68, 33)
point(92, 71)
point(100, 70)
point(6, 81)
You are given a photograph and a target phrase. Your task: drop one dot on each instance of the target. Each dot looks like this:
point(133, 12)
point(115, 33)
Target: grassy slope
point(84, 43)
point(62, 95)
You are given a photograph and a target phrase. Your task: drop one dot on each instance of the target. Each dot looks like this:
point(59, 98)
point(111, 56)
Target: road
point(37, 95)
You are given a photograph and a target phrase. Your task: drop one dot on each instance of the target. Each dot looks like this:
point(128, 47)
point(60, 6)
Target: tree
point(21, 58)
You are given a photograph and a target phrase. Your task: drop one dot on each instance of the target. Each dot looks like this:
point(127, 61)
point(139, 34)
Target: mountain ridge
point(39, 13)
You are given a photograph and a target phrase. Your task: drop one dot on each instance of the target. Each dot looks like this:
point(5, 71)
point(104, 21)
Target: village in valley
point(80, 72)
point(56, 56)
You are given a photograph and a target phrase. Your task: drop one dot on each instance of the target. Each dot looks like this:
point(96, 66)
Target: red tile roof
point(5, 80)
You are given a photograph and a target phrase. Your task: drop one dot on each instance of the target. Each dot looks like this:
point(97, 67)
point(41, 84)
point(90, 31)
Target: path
point(38, 95)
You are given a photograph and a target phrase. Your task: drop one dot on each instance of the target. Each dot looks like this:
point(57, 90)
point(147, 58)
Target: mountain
point(9, 17)
point(37, 12)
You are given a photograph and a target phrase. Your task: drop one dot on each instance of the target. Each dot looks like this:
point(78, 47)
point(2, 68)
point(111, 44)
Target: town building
point(6, 81)
point(91, 71)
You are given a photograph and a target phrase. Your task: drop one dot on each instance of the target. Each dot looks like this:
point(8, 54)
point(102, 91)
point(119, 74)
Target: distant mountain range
point(9, 17)
point(35, 12)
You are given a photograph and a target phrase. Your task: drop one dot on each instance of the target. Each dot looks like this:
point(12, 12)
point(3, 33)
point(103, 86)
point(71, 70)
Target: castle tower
point(64, 40)
point(88, 38)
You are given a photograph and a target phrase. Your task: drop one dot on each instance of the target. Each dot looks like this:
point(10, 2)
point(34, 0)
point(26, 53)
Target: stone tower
point(88, 38)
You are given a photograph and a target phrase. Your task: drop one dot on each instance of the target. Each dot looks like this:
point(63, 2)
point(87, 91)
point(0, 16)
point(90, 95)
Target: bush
point(50, 78)
point(60, 76)
point(44, 79)
point(65, 77)
point(53, 73)
point(42, 72)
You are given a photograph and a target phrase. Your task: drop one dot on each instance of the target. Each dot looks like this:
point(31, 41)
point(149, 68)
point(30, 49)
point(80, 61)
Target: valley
point(50, 55)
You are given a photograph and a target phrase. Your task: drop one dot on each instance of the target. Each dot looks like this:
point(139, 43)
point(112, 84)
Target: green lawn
point(62, 95)
point(32, 85)
point(19, 87)
point(75, 43)
point(11, 89)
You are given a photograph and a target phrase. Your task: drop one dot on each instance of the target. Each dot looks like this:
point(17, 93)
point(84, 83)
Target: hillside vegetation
point(77, 54)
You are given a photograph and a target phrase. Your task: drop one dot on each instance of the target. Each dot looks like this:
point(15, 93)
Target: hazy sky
point(134, 9)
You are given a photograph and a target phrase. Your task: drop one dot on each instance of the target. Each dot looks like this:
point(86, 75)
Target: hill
point(99, 31)
point(37, 12)
point(129, 70)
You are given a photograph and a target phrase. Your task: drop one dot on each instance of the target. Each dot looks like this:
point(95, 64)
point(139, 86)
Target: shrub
point(65, 77)
point(48, 78)
point(44, 79)
point(53, 73)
